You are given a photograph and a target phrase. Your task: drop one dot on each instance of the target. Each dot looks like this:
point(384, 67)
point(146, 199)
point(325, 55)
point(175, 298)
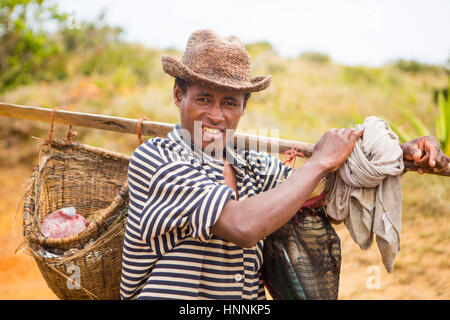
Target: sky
point(351, 32)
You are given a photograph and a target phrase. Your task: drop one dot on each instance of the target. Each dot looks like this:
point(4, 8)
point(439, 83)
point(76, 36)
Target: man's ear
point(177, 95)
point(245, 104)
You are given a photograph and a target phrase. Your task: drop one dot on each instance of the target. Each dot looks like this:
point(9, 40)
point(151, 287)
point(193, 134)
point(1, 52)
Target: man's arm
point(246, 222)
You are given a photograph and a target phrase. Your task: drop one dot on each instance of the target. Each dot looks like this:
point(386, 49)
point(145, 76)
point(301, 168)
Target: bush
point(257, 48)
point(315, 57)
point(27, 53)
point(413, 66)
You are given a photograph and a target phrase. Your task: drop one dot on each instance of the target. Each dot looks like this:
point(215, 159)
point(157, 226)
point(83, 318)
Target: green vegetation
point(413, 66)
point(27, 53)
point(30, 54)
point(441, 124)
point(257, 48)
point(315, 57)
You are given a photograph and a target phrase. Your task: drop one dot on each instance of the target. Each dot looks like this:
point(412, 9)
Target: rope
point(70, 135)
point(139, 125)
point(50, 132)
point(292, 154)
point(311, 202)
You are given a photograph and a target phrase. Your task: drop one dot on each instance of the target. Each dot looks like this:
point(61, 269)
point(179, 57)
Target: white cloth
point(366, 191)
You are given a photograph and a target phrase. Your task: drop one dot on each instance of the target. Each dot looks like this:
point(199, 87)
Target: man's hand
point(426, 154)
point(334, 147)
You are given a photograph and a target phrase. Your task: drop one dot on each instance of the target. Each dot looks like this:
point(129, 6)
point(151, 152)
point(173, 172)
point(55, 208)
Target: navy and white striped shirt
point(177, 193)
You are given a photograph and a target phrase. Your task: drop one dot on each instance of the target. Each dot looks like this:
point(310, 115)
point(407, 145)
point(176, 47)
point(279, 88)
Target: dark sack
point(302, 259)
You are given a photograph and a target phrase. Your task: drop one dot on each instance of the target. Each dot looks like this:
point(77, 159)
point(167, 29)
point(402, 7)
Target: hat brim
point(177, 69)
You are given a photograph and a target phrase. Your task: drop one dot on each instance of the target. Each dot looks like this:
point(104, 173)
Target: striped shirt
point(177, 193)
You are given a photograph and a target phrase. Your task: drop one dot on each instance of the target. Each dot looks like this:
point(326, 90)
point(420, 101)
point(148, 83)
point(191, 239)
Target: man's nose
point(215, 113)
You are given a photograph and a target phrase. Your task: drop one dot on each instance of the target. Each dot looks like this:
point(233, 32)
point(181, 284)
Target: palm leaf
point(402, 134)
point(416, 123)
point(447, 124)
point(441, 120)
point(445, 110)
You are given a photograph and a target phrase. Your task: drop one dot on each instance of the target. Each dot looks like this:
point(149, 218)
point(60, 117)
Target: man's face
point(210, 115)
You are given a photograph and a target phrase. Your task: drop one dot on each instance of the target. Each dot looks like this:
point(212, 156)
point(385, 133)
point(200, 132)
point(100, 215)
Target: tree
point(26, 50)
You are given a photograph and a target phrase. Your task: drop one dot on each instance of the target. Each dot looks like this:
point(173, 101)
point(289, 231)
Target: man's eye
point(202, 99)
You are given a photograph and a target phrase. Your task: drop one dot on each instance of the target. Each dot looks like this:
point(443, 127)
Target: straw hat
point(217, 62)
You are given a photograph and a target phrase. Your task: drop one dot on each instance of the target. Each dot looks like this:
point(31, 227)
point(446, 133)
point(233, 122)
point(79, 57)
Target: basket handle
point(117, 201)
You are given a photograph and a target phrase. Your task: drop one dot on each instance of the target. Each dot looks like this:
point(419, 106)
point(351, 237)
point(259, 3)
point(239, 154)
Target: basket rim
point(93, 226)
point(85, 147)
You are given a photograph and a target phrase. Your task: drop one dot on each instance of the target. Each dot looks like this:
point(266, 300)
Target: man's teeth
point(210, 130)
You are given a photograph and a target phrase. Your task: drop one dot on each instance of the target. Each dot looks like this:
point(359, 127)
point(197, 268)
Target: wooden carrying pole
point(153, 128)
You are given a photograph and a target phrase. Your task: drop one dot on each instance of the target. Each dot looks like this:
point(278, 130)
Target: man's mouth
point(211, 130)
point(211, 134)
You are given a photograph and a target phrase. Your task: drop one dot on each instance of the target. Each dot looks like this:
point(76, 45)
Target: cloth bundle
point(366, 191)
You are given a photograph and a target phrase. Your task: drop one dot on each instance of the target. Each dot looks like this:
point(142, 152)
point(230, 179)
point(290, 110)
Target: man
point(198, 215)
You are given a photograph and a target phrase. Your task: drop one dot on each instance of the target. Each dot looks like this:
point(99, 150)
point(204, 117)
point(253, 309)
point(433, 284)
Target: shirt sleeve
point(182, 201)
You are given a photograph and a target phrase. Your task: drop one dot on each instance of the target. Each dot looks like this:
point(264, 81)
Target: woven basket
point(87, 265)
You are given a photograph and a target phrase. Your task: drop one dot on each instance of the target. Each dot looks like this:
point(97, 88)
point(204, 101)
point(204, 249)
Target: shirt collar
point(177, 135)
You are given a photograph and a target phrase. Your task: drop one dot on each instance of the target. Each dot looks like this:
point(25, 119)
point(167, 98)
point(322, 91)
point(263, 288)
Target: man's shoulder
point(156, 151)
point(160, 143)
